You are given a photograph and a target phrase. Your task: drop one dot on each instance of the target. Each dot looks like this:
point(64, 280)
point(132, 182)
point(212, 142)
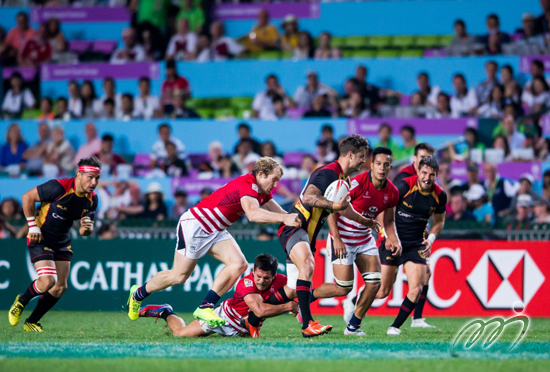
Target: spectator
point(173, 166)
point(62, 109)
point(546, 185)
point(418, 106)
point(152, 43)
point(20, 33)
point(10, 209)
point(88, 100)
point(318, 108)
point(92, 145)
point(180, 206)
point(173, 82)
point(369, 92)
point(514, 137)
point(472, 176)
point(463, 44)
point(526, 182)
point(307, 165)
point(34, 155)
point(327, 132)
point(325, 50)
point(266, 233)
point(408, 134)
point(112, 204)
point(464, 102)
point(444, 180)
point(263, 36)
point(461, 151)
point(305, 94)
point(11, 153)
point(249, 163)
point(126, 112)
point(155, 209)
point(501, 142)
point(228, 169)
point(385, 138)
point(55, 37)
point(146, 105)
point(223, 47)
point(183, 45)
point(35, 51)
point(109, 91)
point(215, 152)
point(459, 208)
point(108, 111)
point(59, 151)
point(538, 100)
point(325, 154)
point(279, 107)
point(536, 69)
point(499, 190)
point(75, 102)
point(205, 193)
point(289, 39)
point(494, 108)
point(6, 53)
point(180, 111)
point(482, 209)
point(262, 106)
point(530, 42)
point(107, 156)
point(204, 54)
point(523, 211)
point(159, 147)
point(46, 109)
point(494, 35)
point(483, 89)
point(305, 48)
point(356, 107)
point(131, 51)
point(268, 149)
point(107, 231)
point(17, 98)
point(244, 148)
point(542, 211)
point(442, 107)
point(512, 97)
point(506, 74)
point(245, 132)
point(191, 11)
point(428, 91)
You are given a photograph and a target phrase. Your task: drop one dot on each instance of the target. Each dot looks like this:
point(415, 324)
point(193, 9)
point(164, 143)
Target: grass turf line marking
point(273, 350)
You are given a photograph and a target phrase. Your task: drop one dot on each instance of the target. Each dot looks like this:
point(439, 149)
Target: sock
point(354, 300)
point(166, 313)
point(45, 303)
point(303, 292)
point(312, 299)
point(354, 324)
point(210, 300)
point(30, 293)
point(406, 308)
point(420, 305)
point(276, 298)
point(141, 293)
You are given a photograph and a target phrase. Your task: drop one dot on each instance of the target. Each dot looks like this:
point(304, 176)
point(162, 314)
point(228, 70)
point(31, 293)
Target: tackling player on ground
point(261, 291)
point(203, 229)
point(419, 198)
point(313, 209)
point(351, 242)
point(62, 201)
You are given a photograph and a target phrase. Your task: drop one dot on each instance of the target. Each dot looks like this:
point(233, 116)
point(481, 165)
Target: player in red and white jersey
point(202, 230)
point(261, 291)
point(351, 242)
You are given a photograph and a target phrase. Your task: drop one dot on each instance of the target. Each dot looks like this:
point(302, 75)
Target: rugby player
point(253, 293)
point(371, 194)
point(419, 198)
point(313, 209)
point(389, 273)
point(203, 229)
point(62, 201)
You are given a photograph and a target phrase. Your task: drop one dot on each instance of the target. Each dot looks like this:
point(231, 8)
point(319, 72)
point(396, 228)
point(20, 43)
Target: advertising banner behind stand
point(470, 278)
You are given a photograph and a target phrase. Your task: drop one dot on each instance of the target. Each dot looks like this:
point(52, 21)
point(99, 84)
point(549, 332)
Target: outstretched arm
point(262, 310)
point(255, 213)
point(274, 207)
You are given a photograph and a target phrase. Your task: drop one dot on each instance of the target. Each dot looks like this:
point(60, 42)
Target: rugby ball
point(336, 190)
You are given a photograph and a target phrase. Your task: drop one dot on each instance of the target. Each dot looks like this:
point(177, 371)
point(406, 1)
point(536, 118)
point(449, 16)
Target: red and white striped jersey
point(223, 208)
point(369, 202)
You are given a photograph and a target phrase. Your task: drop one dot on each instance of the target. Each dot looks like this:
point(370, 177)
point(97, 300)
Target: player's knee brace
point(346, 284)
point(373, 277)
point(47, 271)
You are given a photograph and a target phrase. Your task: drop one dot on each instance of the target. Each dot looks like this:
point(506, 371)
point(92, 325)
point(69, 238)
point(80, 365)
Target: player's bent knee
point(46, 282)
point(344, 286)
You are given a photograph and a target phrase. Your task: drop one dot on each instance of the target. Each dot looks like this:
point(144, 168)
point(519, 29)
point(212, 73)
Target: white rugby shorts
point(369, 248)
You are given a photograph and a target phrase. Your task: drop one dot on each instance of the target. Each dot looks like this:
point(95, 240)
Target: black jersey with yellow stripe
point(312, 218)
point(414, 209)
point(60, 207)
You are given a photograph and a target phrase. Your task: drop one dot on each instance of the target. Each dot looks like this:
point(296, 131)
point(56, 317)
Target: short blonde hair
point(267, 165)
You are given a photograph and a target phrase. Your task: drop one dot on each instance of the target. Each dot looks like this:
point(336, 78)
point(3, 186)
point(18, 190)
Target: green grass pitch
point(87, 341)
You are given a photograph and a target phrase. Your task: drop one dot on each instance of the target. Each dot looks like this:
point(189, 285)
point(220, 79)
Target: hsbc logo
point(503, 278)
point(373, 209)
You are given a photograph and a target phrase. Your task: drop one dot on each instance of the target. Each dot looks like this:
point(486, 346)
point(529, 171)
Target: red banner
point(469, 278)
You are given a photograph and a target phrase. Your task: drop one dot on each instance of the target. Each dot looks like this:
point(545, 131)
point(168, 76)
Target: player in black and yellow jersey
point(62, 201)
point(419, 199)
point(313, 210)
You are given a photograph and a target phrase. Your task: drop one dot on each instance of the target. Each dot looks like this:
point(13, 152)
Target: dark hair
point(385, 125)
point(538, 63)
point(164, 125)
point(423, 73)
point(109, 101)
point(170, 64)
point(424, 146)
point(108, 137)
point(429, 162)
point(327, 128)
point(129, 96)
point(16, 74)
point(493, 16)
point(460, 22)
point(266, 262)
point(169, 143)
point(92, 160)
point(472, 131)
point(460, 76)
point(353, 143)
point(24, 14)
point(492, 63)
point(92, 88)
point(499, 87)
point(506, 144)
point(381, 150)
point(309, 156)
point(144, 78)
point(62, 99)
point(244, 125)
point(509, 68)
point(109, 78)
point(271, 76)
point(48, 99)
point(543, 81)
point(409, 129)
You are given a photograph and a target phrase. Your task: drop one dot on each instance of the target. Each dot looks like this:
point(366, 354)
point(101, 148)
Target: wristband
point(33, 227)
point(431, 238)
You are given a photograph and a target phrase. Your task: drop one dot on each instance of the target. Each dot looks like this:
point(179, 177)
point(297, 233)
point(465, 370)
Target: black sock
point(303, 292)
point(354, 323)
point(276, 298)
point(312, 299)
point(166, 313)
point(45, 303)
point(141, 293)
point(420, 305)
point(29, 294)
point(407, 306)
point(210, 300)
